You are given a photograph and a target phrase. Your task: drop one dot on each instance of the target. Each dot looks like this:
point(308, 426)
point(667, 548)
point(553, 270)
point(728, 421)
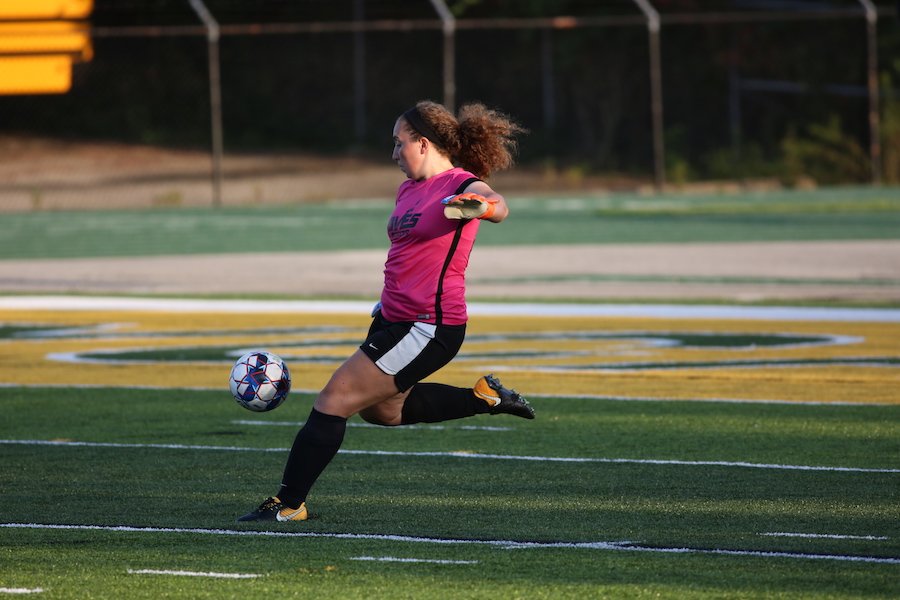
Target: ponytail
point(480, 140)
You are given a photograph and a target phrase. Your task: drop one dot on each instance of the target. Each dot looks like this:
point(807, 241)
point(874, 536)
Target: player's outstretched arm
point(478, 201)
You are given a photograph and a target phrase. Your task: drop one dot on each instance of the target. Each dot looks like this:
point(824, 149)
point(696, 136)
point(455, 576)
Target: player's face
point(407, 152)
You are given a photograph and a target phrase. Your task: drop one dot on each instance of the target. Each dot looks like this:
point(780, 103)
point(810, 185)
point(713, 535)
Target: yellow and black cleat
point(274, 509)
point(501, 400)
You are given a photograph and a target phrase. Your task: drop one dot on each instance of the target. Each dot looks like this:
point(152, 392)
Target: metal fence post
point(656, 103)
point(359, 73)
point(872, 82)
point(449, 22)
point(215, 95)
point(547, 85)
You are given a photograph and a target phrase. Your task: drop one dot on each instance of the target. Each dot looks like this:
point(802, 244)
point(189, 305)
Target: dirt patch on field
point(47, 174)
point(858, 271)
point(41, 174)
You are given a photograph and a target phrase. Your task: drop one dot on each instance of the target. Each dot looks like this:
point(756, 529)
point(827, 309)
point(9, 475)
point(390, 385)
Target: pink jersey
point(424, 276)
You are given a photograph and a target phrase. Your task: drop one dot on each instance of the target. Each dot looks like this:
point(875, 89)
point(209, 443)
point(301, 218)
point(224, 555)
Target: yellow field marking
point(26, 362)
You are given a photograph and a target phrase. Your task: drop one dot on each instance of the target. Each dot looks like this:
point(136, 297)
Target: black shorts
point(411, 350)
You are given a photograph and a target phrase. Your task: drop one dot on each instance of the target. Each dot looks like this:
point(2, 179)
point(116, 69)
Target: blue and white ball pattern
point(260, 381)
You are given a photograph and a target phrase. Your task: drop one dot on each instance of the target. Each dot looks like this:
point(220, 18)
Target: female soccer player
point(420, 323)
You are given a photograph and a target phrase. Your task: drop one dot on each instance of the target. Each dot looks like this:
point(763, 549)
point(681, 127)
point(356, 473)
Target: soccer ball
point(260, 381)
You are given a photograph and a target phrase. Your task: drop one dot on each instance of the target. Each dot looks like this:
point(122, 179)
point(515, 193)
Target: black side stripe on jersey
point(438, 312)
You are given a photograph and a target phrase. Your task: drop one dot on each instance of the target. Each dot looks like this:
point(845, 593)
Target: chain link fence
point(307, 106)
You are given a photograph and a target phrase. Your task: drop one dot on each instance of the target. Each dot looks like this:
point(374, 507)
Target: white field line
point(502, 544)
point(666, 311)
point(368, 425)
point(831, 536)
point(415, 560)
point(702, 463)
point(5, 590)
point(195, 574)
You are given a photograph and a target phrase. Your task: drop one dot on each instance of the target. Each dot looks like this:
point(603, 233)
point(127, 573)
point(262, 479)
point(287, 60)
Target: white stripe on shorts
point(412, 344)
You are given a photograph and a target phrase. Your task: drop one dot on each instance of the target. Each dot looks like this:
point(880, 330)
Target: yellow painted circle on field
point(557, 356)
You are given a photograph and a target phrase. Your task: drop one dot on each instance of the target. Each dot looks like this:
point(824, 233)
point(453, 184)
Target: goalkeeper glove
point(468, 206)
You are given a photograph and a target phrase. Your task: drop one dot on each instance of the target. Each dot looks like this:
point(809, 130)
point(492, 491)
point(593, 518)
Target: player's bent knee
point(377, 416)
point(374, 420)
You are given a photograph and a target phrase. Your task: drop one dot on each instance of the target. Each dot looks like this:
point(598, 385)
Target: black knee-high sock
point(315, 445)
point(436, 402)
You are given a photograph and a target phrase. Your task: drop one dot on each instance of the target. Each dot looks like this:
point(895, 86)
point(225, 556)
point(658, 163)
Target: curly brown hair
point(479, 139)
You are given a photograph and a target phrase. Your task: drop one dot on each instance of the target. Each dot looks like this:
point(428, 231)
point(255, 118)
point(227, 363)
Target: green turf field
point(828, 214)
point(728, 459)
point(452, 513)
point(674, 458)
